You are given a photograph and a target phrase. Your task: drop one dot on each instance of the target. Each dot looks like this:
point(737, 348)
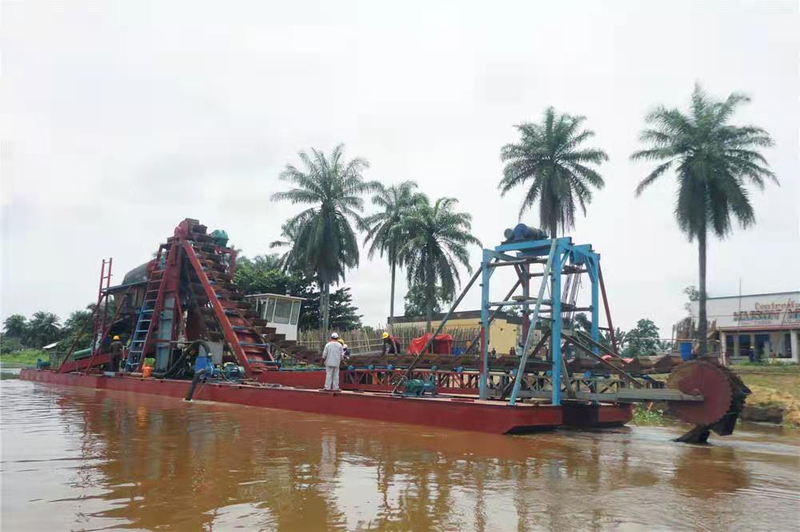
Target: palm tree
point(436, 237)
point(15, 326)
point(384, 227)
point(548, 155)
point(713, 161)
point(43, 328)
point(325, 243)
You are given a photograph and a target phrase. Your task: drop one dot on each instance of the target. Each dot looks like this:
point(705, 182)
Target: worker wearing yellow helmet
point(390, 344)
point(115, 356)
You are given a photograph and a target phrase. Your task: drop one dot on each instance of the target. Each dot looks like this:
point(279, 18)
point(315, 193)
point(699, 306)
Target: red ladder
point(99, 328)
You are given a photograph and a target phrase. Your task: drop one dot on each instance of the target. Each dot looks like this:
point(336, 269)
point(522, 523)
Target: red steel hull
point(457, 413)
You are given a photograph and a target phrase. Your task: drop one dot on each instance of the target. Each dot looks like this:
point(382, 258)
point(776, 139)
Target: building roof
point(282, 296)
point(795, 292)
point(463, 315)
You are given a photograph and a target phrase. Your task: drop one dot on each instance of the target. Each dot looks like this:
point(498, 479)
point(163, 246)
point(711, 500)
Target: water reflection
point(148, 462)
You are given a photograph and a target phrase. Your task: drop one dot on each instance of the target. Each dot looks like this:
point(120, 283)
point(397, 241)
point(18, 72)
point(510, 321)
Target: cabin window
point(295, 312)
point(283, 311)
point(270, 309)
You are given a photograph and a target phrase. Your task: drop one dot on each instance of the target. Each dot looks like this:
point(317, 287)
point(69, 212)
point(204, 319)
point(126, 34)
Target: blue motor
point(523, 232)
point(203, 363)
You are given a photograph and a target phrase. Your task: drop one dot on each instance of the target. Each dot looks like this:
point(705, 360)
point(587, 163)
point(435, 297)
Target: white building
point(758, 326)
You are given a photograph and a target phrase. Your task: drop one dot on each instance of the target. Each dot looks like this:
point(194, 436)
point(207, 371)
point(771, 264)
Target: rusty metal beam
point(608, 310)
point(614, 369)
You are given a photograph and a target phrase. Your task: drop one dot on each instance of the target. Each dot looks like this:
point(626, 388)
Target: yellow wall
point(502, 335)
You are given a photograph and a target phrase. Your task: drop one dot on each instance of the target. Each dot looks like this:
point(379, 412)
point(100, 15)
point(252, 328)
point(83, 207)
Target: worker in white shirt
point(332, 356)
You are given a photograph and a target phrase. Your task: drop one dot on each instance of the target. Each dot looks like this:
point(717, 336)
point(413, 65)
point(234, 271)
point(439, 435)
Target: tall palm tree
point(385, 227)
point(713, 161)
point(549, 156)
point(436, 239)
point(325, 243)
point(43, 328)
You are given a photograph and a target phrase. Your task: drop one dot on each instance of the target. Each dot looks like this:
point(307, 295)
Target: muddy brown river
point(79, 459)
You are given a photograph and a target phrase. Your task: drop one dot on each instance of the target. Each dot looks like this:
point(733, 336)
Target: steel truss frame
point(560, 257)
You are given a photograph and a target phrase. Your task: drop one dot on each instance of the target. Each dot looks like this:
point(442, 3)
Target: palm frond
point(650, 179)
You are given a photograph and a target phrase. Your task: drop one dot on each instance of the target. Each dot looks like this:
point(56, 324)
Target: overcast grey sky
point(119, 119)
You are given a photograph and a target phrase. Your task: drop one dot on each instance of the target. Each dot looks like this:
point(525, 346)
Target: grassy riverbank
point(26, 357)
point(774, 385)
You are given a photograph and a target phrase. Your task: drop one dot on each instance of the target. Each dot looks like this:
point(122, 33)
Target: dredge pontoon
point(208, 342)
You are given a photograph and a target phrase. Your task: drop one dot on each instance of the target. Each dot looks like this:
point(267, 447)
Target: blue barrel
point(686, 350)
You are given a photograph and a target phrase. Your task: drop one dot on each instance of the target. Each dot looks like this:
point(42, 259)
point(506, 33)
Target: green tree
point(642, 340)
point(549, 156)
point(713, 161)
point(583, 323)
point(325, 242)
point(9, 344)
point(264, 274)
point(692, 294)
point(43, 329)
point(16, 326)
point(76, 328)
point(385, 227)
point(620, 337)
point(344, 315)
point(436, 239)
point(416, 298)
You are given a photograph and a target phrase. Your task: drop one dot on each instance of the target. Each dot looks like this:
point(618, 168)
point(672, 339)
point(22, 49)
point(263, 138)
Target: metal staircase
point(149, 312)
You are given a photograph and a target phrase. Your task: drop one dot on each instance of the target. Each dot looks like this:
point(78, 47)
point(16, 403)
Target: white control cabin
point(280, 311)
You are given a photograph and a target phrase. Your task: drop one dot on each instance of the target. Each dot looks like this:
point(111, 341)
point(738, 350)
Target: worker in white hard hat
point(332, 356)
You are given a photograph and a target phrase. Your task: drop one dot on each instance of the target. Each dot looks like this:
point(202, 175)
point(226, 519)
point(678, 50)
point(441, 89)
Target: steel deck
point(450, 412)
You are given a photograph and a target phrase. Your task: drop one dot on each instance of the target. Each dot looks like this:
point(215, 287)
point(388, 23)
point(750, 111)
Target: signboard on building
point(759, 311)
